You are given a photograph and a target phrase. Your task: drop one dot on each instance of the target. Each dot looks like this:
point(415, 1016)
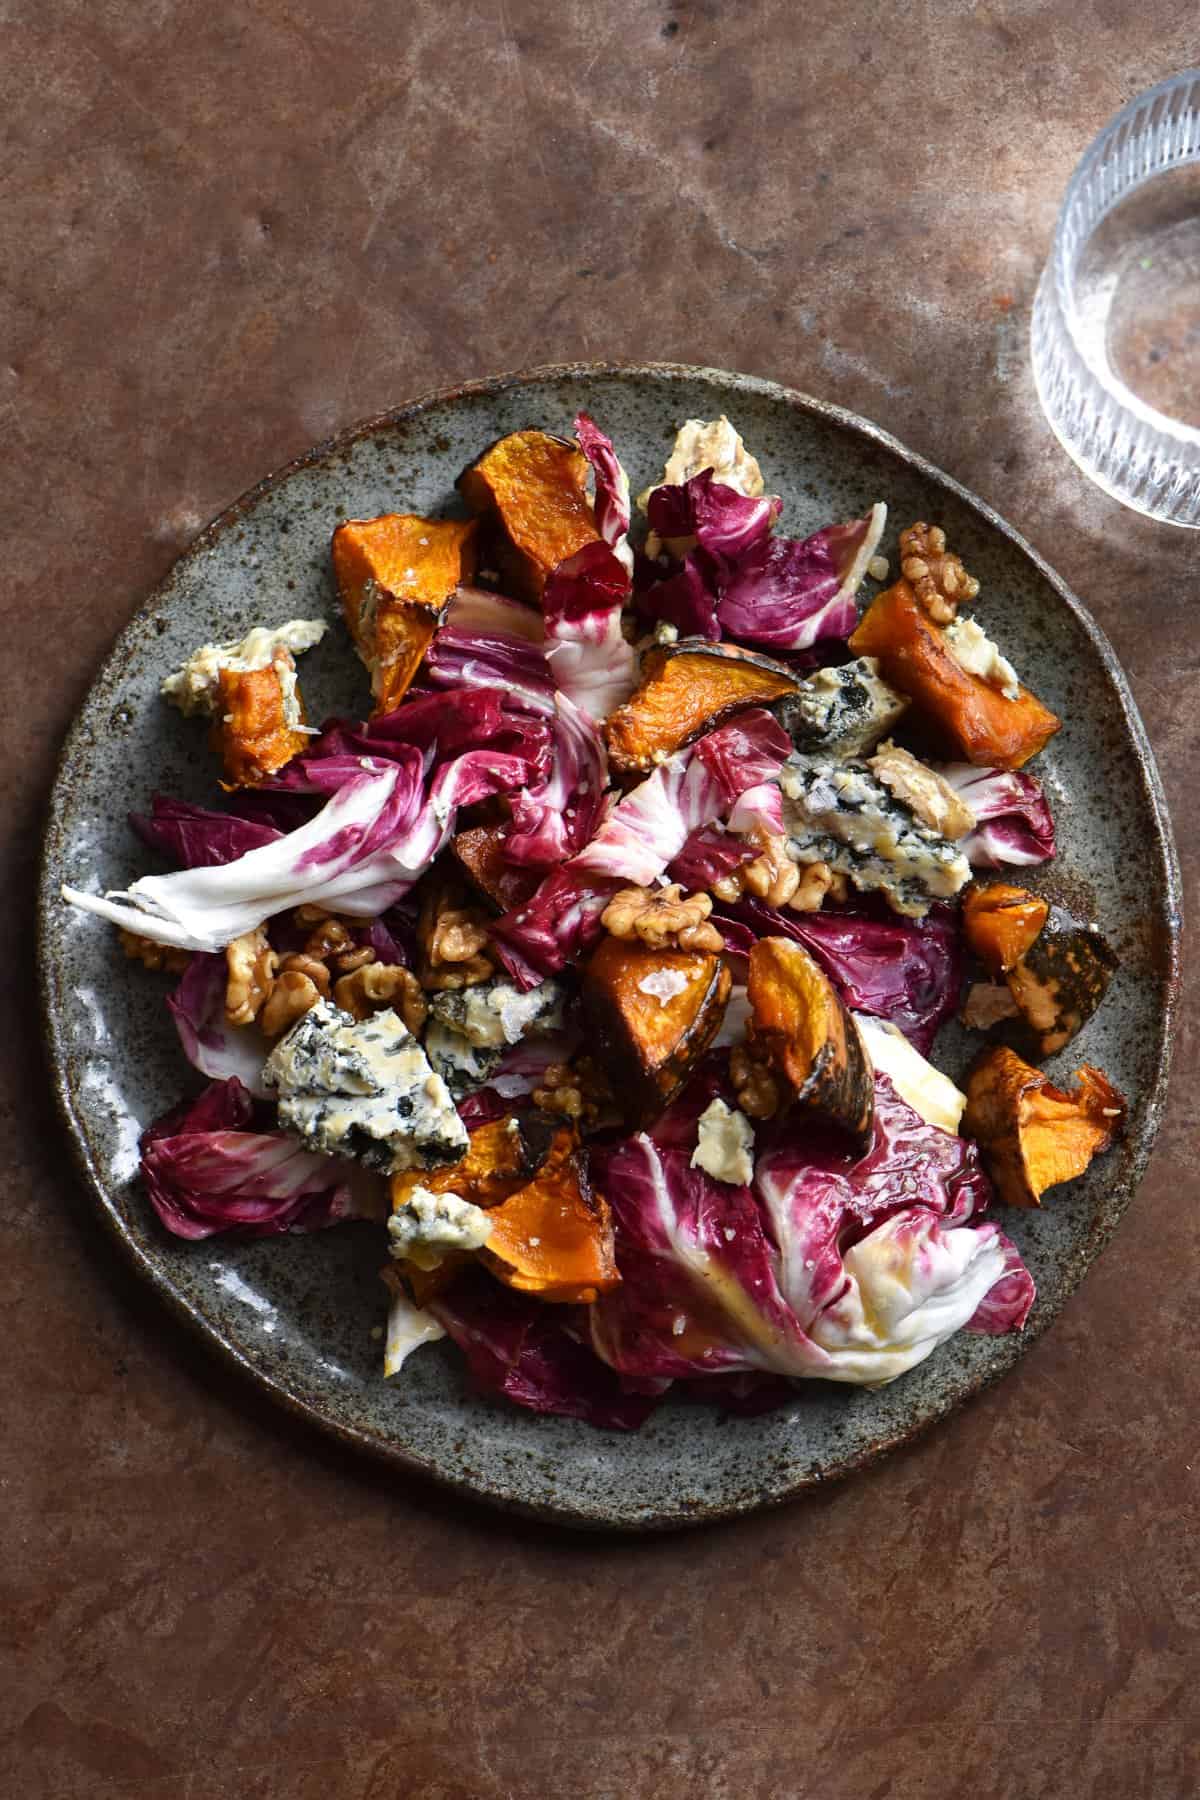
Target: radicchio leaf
point(611, 505)
point(206, 1172)
point(520, 1349)
point(194, 837)
point(637, 841)
point(906, 970)
point(1014, 828)
point(719, 518)
point(370, 842)
point(210, 1043)
point(589, 658)
point(848, 1270)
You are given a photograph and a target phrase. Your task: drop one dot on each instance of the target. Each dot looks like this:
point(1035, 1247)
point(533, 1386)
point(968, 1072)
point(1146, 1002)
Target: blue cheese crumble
point(470, 1029)
point(841, 712)
point(427, 1225)
point(364, 1088)
point(843, 815)
point(725, 1146)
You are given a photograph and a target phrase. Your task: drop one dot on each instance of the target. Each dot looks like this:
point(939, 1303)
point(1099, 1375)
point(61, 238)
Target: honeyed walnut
point(775, 878)
point(577, 1090)
point(155, 956)
point(936, 576)
point(292, 995)
point(663, 918)
point(756, 1087)
point(772, 876)
point(375, 986)
point(818, 882)
point(250, 966)
point(453, 938)
point(312, 966)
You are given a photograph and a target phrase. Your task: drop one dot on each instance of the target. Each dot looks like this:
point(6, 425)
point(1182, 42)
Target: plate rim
point(491, 1490)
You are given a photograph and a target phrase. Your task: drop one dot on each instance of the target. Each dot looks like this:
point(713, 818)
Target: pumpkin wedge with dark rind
point(504, 1155)
point(1000, 923)
point(396, 575)
point(1059, 982)
point(554, 1238)
point(799, 1019)
point(686, 689)
point(651, 1014)
point(251, 734)
point(532, 488)
point(975, 718)
point(1033, 1135)
point(481, 856)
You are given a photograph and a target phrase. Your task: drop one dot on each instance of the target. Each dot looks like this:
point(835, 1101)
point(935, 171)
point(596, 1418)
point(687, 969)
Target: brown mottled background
point(227, 230)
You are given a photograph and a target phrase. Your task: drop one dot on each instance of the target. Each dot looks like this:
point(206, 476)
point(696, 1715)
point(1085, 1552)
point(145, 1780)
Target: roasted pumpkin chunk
point(1001, 923)
point(975, 718)
point(395, 577)
point(1033, 1135)
point(686, 689)
point(504, 1155)
point(531, 487)
point(554, 1238)
point(798, 1018)
point(481, 856)
point(653, 1014)
point(252, 734)
point(1059, 982)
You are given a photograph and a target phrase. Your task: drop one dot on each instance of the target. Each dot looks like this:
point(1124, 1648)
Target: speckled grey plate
point(299, 1315)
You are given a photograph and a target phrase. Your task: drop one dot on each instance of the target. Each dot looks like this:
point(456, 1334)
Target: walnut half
point(936, 576)
point(663, 918)
point(251, 965)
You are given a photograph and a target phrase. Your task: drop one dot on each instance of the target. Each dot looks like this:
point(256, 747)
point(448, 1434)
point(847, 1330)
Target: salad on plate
point(599, 968)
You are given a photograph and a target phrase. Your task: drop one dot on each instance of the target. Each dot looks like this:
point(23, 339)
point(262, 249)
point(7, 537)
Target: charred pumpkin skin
point(481, 856)
point(1033, 1135)
point(532, 488)
point(251, 735)
point(686, 689)
point(1059, 983)
point(554, 1238)
point(810, 1038)
point(396, 575)
point(1001, 923)
point(505, 1155)
point(649, 1045)
point(975, 718)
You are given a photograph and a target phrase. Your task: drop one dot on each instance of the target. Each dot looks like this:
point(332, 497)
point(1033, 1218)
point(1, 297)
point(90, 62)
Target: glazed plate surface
point(301, 1315)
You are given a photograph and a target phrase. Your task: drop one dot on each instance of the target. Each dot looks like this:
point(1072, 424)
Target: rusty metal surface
point(227, 233)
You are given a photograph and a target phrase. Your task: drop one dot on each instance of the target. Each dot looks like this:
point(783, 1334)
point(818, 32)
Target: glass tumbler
point(1116, 322)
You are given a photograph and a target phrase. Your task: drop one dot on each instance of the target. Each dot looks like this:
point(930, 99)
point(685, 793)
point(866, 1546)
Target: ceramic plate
point(301, 1316)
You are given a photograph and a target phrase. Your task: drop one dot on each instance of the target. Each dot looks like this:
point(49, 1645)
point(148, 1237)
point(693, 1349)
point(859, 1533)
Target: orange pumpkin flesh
point(973, 716)
point(395, 577)
point(649, 1041)
point(251, 734)
point(810, 1038)
point(1032, 1134)
point(684, 690)
point(1001, 923)
point(532, 487)
point(504, 1154)
point(553, 1238)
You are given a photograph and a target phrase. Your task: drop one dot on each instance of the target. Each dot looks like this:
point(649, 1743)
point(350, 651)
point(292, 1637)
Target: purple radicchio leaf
point(194, 837)
point(206, 1171)
point(611, 505)
point(908, 971)
point(1014, 825)
point(210, 1043)
point(589, 658)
